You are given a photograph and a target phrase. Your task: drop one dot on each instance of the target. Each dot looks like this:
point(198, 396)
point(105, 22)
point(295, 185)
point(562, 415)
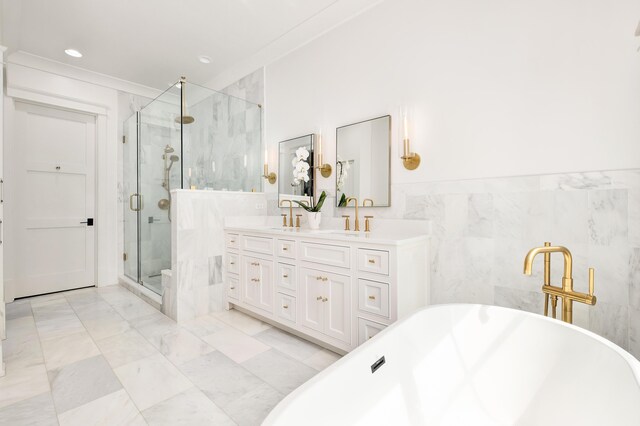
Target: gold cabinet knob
point(324, 299)
point(285, 276)
point(285, 248)
point(285, 306)
point(372, 261)
point(255, 263)
point(372, 297)
point(319, 298)
point(232, 263)
point(231, 288)
point(233, 241)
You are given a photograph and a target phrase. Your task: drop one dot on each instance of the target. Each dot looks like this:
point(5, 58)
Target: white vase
point(314, 219)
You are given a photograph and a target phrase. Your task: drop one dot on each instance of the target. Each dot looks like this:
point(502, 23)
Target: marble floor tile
point(125, 348)
point(220, 378)
point(180, 345)
point(235, 344)
point(81, 382)
point(68, 349)
point(99, 328)
point(322, 359)
point(115, 408)
point(22, 351)
point(99, 309)
point(204, 325)
point(59, 327)
point(253, 406)
point(280, 371)
point(154, 325)
point(51, 309)
point(34, 411)
point(288, 344)
point(18, 310)
point(131, 309)
point(190, 408)
point(241, 321)
point(20, 384)
point(151, 380)
point(37, 301)
point(80, 298)
point(23, 327)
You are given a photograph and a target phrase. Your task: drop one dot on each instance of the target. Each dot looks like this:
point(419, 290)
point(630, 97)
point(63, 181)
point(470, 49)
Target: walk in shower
point(189, 137)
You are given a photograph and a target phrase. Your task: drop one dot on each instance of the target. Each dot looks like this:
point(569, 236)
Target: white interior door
point(53, 188)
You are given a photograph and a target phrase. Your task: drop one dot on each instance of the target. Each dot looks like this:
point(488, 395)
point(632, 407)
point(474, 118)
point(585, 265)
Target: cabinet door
point(337, 306)
point(257, 288)
point(310, 309)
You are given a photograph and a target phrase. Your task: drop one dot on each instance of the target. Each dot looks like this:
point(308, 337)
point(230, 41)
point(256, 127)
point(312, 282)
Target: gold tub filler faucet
point(566, 292)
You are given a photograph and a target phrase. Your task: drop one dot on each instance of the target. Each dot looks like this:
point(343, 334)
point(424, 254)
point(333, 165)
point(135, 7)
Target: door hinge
point(124, 139)
point(124, 256)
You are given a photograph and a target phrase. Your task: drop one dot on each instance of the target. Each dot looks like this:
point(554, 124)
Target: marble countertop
point(388, 232)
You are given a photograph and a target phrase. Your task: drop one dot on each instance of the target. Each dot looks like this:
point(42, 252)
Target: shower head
point(185, 119)
point(172, 160)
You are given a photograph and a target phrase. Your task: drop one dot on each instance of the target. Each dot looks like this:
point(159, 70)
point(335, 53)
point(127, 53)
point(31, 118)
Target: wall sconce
point(270, 177)
point(325, 168)
point(410, 160)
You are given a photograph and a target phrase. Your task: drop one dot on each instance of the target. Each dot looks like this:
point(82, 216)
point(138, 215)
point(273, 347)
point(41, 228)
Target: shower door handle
point(138, 202)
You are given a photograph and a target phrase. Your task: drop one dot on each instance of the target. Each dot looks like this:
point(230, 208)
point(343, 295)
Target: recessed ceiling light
point(204, 59)
point(73, 52)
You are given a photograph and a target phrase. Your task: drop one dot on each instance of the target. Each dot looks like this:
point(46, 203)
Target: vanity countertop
point(388, 232)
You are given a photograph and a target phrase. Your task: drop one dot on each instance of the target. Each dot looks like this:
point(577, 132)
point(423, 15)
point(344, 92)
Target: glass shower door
point(159, 166)
point(130, 195)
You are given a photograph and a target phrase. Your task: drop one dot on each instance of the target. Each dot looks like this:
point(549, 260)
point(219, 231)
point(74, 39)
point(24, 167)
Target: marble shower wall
point(483, 228)
point(197, 237)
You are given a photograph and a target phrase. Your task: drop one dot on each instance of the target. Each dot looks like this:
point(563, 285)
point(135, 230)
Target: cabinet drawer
point(286, 277)
point(325, 254)
point(233, 287)
point(233, 263)
point(262, 245)
point(232, 240)
point(367, 329)
point(373, 261)
point(285, 307)
point(287, 248)
point(373, 297)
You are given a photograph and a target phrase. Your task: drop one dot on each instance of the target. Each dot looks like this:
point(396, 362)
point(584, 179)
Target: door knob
point(88, 222)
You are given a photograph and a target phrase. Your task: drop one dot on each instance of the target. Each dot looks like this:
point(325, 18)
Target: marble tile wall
point(483, 228)
point(197, 237)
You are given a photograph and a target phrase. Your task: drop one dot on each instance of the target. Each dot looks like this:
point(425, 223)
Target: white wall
point(496, 88)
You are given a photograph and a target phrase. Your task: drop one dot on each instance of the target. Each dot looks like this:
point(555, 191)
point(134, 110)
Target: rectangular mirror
point(363, 152)
point(295, 169)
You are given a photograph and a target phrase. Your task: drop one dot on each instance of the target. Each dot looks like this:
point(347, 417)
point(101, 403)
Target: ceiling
point(154, 42)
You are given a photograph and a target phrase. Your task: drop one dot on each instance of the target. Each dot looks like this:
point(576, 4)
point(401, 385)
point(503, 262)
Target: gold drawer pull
point(256, 280)
point(255, 263)
point(285, 306)
point(231, 288)
point(285, 248)
point(372, 261)
point(232, 263)
point(232, 241)
point(319, 278)
point(285, 276)
point(372, 297)
point(324, 299)
point(319, 298)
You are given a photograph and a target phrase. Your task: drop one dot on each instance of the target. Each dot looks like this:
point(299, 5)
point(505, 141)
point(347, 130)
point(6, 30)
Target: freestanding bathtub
point(472, 365)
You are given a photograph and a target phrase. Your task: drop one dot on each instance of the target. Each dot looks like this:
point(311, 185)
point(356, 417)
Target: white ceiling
point(154, 42)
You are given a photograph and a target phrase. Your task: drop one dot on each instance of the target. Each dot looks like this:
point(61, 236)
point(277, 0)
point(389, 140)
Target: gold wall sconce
point(325, 168)
point(270, 177)
point(410, 160)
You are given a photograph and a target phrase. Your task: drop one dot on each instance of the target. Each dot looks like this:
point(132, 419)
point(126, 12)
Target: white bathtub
point(473, 365)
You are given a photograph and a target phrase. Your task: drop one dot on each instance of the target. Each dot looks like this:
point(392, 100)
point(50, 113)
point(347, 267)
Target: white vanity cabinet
point(336, 289)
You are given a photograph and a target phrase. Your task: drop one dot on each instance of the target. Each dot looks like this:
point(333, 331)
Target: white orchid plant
point(300, 166)
point(343, 172)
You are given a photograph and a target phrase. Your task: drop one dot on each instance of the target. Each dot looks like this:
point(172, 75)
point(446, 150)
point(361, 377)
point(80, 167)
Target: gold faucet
point(290, 211)
point(356, 226)
point(565, 292)
point(364, 202)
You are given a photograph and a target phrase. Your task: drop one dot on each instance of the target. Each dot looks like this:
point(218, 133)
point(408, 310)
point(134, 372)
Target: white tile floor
point(104, 356)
